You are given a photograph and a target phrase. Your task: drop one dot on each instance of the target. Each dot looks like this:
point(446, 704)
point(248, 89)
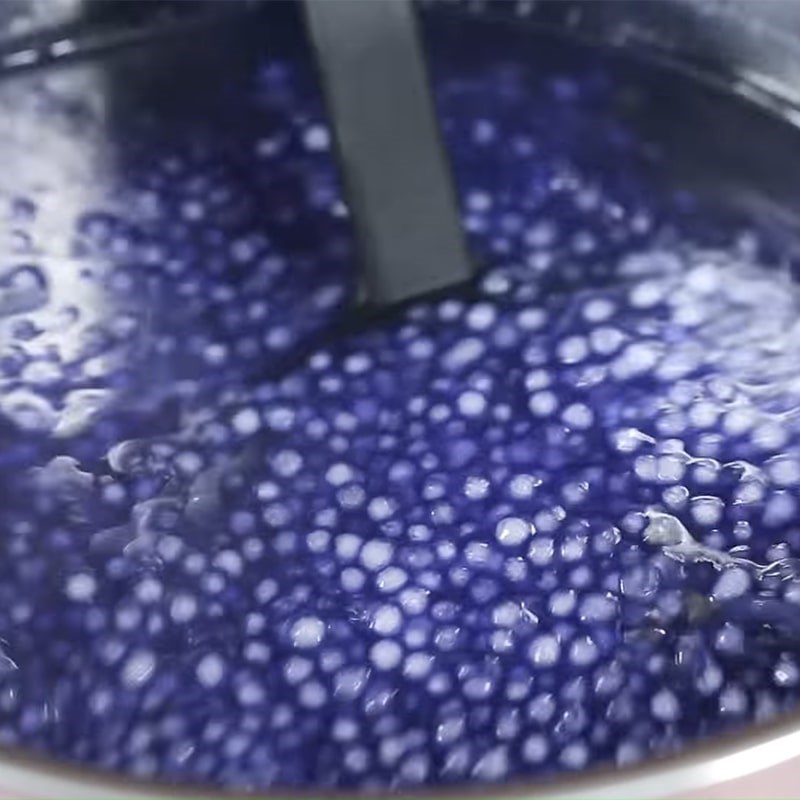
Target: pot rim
point(721, 758)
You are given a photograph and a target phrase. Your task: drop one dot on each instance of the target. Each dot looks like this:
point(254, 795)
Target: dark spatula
point(396, 175)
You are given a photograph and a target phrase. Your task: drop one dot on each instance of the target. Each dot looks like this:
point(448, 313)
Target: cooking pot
point(105, 104)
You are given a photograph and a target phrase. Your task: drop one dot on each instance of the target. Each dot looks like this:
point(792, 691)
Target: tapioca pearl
point(733, 582)
point(672, 423)
point(541, 551)
point(532, 319)
point(596, 607)
point(250, 693)
point(665, 706)
point(769, 436)
point(376, 554)
point(513, 531)
point(523, 486)
point(710, 679)
point(213, 583)
point(670, 468)
point(418, 666)
point(749, 492)
point(543, 403)
point(583, 651)
point(572, 349)
point(128, 617)
point(81, 587)
point(183, 608)
point(779, 509)
point(646, 468)
point(506, 615)
point(257, 652)
point(476, 487)
point(385, 654)
point(549, 520)
point(451, 729)
point(347, 546)
point(267, 490)
point(606, 340)
point(629, 440)
point(266, 590)
point(138, 669)
point(562, 603)
point(544, 650)
point(479, 688)
point(598, 309)
point(357, 363)
point(501, 641)
point(246, 422)
point(287, 463)
point(729, 639)
point(535, 749)
point(229, 561)
point(312, 695)
point(296, 669)
point(463, 353)
point(210, 670)
point(318, 541)
point(733, 701)
point(481, 316)
point(648, 293)
point(783, 470)
point(786, 673)
point(492, 766)
point(739, 420)
point(391, 579)
point(307, 632)
point(706, 510)
point(574, 756)
point(340, 474)
point(573, 547)
point(636, 359)
point(675, 497)
point(414, 600)
point(578, 416)
point(386, 620)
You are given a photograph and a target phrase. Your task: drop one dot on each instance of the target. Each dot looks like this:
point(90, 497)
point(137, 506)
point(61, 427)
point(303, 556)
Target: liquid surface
point(546, 524)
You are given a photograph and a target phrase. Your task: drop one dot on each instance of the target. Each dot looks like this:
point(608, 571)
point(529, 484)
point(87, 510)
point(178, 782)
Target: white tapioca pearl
point(535, 749)
point(266, 590)
point(664, 706)
point(287, 463)
point(544, 650)
point(784, 470)
point(562, 603)
point(464, 352)
point(210, 670)
point(246, 421)
point(391, 579)
point(733, 582)
point(512, 531)
point(385, 654)
point(706, 510)
point(543, 403)
point(381, 508)
point(583, 651)
point(387, 619)
point(339, 474)
point(532, 319)
point(541, 551)
point(598, 309)
point(578, 416)
point(476, 487)
point(418, 665)
point(572, 349)
point(316, 138)
point(481, 316)
point(506, 615)
point(537, 379)
point(523, 486)
point(376, 554)
point(606, 340)
point(574, 755)
point(347, 545)
point(471, 403)
point(739, 420)
point(769, 436)
point(647, 294)
point(307, 632)
point(138, 669)
point(703, 414)
point(81, 587)
point(183, 607)
point(312, 695)
point(493, 765)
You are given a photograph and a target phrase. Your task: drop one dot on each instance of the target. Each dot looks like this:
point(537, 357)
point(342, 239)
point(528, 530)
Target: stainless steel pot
point(751, 47)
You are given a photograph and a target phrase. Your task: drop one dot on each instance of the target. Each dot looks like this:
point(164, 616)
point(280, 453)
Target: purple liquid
point(545, 524)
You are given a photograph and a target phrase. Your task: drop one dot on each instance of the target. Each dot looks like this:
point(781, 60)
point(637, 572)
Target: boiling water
point(547, 523)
